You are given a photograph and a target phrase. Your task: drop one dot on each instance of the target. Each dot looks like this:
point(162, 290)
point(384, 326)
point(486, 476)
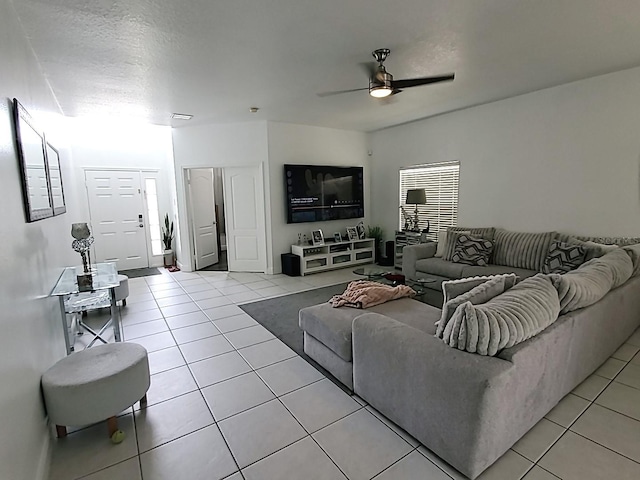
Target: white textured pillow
point(513, 317)
point(634, 253)
point(442, 243)
point(475, 290)
point(593, 280)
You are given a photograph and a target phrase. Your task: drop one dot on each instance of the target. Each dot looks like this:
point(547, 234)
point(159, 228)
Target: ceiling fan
point(381, 82)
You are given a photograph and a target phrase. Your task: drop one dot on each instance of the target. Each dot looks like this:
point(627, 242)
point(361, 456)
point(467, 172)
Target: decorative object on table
point(416, 196)
point(377, 233)
point(352, 233)
point(317, 237)
point(407, 219)
point(360, 230)
point(167, 239)
point(82, 245)
point(337, 237)
point(299, 239)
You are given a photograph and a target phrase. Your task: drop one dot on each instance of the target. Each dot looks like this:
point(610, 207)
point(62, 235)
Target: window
point(153, 215)
point(440, 183)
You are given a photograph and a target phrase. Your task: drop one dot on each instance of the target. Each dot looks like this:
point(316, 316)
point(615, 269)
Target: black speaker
point(388, 259)
point(290, 264)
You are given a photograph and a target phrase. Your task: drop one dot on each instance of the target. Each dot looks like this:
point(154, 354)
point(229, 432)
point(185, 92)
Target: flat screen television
point(318, 193)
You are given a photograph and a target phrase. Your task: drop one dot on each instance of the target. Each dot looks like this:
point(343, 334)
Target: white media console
point(319, 258)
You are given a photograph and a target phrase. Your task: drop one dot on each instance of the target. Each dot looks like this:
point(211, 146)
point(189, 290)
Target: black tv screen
point(317, 193)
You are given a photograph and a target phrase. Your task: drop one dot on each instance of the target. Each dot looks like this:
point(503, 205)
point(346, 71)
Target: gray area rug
point(280, 316)
point(140, 272)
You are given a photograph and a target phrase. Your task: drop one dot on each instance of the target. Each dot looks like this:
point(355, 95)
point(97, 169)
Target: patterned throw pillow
point(564, 257)
point(472, 250)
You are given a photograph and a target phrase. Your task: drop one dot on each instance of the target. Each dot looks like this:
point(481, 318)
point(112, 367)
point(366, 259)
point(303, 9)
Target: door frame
point(152, 260)
point(189, 261)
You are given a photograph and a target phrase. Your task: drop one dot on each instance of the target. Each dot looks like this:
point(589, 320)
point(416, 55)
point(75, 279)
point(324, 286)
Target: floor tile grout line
point(604, 446)
point(396, 462)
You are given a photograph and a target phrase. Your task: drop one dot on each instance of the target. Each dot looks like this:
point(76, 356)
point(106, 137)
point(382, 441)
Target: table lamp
point(416, 196)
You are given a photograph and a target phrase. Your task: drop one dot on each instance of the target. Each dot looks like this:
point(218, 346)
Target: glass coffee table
point(385, 275)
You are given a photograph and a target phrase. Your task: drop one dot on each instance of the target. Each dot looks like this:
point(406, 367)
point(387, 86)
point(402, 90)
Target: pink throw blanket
point(365, 294)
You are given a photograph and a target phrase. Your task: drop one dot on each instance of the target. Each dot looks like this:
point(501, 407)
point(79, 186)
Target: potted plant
point(377, 233)
point(167, 239)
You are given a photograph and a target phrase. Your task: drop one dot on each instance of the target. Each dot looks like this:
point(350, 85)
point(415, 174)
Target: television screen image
point(317, 193)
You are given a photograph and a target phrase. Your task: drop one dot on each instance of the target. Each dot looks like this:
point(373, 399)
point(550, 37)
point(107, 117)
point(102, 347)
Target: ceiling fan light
point(380, 92)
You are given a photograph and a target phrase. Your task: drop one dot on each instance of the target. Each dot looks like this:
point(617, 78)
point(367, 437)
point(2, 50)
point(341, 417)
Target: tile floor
point(229, 401)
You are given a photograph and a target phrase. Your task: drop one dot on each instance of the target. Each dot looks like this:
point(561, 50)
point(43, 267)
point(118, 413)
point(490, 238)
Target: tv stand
point(320, 258)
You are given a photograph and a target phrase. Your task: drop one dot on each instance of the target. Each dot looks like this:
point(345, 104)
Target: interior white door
point(203, 216)
point(244, 218)
point(117, 217)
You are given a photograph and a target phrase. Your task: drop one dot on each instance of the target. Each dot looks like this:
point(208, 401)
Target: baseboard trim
point(44, 460)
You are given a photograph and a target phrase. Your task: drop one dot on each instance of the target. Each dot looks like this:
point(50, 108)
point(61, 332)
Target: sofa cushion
point(521, 250)
point(563, 257)
point(451, 239)
point(472, 250)
point(634, 253)
point(472, 271)
point(440, 266)
point(442, 244)
point(483, 232)
point(475, 290)
point(593, 249)
point(506, 320)
point(332, 326)
point(593, 280)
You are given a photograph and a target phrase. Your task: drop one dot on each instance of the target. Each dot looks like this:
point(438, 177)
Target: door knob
point(140, 221)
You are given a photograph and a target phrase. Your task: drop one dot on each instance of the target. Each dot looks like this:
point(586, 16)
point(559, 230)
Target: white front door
point(117, 217)
point(244, 219)
point(203, 216)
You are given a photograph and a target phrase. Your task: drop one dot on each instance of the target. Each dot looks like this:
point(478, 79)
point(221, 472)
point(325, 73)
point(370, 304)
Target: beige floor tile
point(538, 473)
point(509, 466)
point(129, 470)
point(413, 466)
point(236, 395)
point(195, 332)
point(610, 429)
point(266, 353)
point(169, 384)
point(622, 399)
point(218, 369)
point(538, 440)
point(289, 375)
point(591, 387)
point(302, 460)
point(610, 368)
point(626, 352)
point(576, 458)
point(399, 431)
point(166, 359)
point(567, 410)
point(630, 375)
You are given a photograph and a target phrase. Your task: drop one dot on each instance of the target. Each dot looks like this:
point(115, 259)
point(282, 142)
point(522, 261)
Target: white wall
point(32, 257)
point(301, 144)
point(114, 145)
point(564, 158)
point(230, 145)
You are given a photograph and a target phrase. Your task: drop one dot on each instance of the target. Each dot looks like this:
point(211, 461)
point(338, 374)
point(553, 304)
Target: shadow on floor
point(221, 266)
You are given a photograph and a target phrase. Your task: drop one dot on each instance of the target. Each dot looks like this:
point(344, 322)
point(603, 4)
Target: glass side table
point(102, 295)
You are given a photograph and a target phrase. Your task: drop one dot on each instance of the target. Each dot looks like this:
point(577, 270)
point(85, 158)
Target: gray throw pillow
point(485, 290)
point(506, 320)
point(472, 251)
point(563, 257)
point(452, 238)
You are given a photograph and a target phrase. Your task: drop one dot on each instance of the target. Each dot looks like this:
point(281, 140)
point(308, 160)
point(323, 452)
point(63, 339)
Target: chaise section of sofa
point(470, 409)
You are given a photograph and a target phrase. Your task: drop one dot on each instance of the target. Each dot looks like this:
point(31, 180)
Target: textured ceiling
point(145, 59)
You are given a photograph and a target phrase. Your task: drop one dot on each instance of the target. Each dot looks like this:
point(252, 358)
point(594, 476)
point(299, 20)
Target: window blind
point(440, 182)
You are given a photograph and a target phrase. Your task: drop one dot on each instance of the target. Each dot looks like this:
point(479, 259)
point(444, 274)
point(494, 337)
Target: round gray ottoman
point(122, 290)
point(96, 384)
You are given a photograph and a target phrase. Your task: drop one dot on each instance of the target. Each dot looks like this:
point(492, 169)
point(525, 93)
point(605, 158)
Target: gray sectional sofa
point(467, 408)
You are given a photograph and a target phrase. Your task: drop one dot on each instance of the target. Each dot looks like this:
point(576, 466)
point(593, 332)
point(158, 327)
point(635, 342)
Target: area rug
point(140, 272)
point(280, 316)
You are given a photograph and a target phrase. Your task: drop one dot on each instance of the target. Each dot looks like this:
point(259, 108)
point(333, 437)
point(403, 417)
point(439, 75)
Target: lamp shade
point(416, 196)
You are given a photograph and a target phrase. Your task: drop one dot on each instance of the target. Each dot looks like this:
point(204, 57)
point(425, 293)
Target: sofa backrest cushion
point(475, 290)
point(472, 250)
point(593, 280)
point(593, 249)
point(506, 320)
point(521, 250)
point(563, 257)
point(634, 253)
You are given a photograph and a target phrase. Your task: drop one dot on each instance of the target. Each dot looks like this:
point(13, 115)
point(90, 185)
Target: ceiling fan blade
point(416, 82)
point(328, 94)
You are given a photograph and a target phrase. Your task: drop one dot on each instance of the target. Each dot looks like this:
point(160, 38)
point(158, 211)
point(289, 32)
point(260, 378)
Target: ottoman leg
point(112, 425)
point(124, 302)
point(143, 401)
point(61, 431)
